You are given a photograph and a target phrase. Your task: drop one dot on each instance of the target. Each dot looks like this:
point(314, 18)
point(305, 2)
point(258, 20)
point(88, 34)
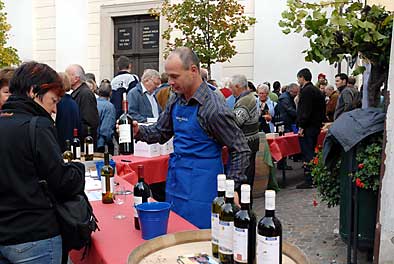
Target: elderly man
point(332, 102)
point(246, 117)
point(201, 125)
point(141, 99)
point(266, 109)
point(287, 107)
point(86, 101)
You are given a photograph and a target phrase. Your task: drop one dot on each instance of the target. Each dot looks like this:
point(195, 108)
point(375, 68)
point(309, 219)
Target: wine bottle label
point(125, 133)
point(267, 249)
point(240, 244)
point(104, 186)
point(215, 228)
point(78, 152)
point(89, 149)
point(137, 201)
point(226, 237)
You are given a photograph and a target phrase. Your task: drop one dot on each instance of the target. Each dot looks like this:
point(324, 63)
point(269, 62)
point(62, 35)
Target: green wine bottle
point(89, 146)
point(68, 155)
point(216, 208)
point(226, 225)
point(107, 180)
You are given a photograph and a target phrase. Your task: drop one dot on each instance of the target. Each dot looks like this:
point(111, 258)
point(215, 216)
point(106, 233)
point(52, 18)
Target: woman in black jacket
point(29, 230)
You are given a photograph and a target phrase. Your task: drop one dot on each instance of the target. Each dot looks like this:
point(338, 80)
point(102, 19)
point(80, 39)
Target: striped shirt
point(216, 120)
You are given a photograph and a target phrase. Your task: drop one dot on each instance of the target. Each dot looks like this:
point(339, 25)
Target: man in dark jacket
point(86, 101)
point(287, 108)
point(310, 116)
point(123, 82)
point(349, 97)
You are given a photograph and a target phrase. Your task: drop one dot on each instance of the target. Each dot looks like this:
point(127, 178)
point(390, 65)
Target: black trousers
point(308, 143)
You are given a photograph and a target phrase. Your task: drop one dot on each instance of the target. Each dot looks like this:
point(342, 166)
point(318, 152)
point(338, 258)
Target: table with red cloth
point(287, 145)
point(155, 168)
point(284, 146)
point(117, 238)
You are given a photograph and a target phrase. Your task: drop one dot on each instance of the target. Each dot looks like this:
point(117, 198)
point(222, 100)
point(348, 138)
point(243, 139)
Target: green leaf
point(377, 36)
point(302, 14)
point(282, 23)
point(286, 31)
point(358, 70)
point(367, 37)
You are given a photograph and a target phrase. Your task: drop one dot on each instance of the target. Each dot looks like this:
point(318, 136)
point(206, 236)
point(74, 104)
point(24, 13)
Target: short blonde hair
point(66, 81)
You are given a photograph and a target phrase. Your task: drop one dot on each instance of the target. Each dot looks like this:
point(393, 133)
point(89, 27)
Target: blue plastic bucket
point(100, 164)
point(294, 128)
point(153, 219)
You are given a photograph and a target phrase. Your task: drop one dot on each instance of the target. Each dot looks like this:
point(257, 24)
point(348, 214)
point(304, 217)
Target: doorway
point(137, 37)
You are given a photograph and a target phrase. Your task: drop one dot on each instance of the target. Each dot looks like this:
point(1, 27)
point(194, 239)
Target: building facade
point(93, 33)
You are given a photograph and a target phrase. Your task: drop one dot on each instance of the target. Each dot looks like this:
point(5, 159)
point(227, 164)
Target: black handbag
point(75, 216)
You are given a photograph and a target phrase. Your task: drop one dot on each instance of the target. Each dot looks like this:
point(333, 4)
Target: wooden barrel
point(167, 248)
point(262, 169)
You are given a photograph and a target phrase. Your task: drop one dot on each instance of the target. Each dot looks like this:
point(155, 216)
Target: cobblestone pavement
point(314, 229)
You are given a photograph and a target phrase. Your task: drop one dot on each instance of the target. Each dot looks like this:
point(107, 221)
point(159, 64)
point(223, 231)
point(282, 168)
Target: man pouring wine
point(201, 124)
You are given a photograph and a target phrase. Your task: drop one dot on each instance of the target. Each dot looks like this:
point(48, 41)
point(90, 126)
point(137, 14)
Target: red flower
point(315, 160)
point(361, 166)
point(359, 183)
point(314, 202)
point(316, 150)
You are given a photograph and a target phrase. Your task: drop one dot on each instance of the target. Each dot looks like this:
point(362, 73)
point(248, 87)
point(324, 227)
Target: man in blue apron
point(201, 124)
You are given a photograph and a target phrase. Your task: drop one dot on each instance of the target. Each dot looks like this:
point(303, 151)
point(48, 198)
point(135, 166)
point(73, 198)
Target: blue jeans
point(46, 251)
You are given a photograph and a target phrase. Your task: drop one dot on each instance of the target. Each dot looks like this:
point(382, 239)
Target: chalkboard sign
point(150, 36)
point(125, 38)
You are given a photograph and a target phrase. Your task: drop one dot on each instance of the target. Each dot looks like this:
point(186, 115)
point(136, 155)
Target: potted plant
point(333, 185)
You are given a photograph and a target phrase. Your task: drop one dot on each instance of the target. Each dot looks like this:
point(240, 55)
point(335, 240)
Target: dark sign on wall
point(125, 38)
point(150, 36)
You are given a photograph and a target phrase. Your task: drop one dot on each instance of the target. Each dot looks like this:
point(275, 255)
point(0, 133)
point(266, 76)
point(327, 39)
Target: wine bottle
point(226, 224)
point(269, 234)
point(89, 149)
point(68, 155)
point(107, 179)
point(216, 208)
point(141, 194)
point(126, 144)
point(76, 146)
point(244, 230)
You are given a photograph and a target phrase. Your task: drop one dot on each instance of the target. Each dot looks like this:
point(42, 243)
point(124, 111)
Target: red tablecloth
point(289, 144)
point(320, 139)
point(117, 238)
point(155, 169)
point(284, 146)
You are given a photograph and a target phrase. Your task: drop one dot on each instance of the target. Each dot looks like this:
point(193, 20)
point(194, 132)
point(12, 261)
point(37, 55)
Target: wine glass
point(119, 199)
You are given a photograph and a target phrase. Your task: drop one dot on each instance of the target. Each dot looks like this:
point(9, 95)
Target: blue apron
point(193, 168)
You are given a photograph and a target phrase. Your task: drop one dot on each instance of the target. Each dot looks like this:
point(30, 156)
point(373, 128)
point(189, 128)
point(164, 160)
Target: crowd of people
point(184, 102)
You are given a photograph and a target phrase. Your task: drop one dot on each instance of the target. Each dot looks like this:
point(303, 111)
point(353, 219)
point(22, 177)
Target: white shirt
point(152, 100)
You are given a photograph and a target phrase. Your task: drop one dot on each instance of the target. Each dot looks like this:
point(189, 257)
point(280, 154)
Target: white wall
point(386, 254)
point(278, 56)
point(71, 33)
point(20, 17)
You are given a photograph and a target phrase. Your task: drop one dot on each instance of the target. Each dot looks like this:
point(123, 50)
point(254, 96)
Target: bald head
point(183, 69)
point(76, 74)
point(187, 56)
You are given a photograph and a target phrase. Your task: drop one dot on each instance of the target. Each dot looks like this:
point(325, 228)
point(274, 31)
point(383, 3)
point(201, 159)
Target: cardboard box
point(143, 149)
point(168, 147)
